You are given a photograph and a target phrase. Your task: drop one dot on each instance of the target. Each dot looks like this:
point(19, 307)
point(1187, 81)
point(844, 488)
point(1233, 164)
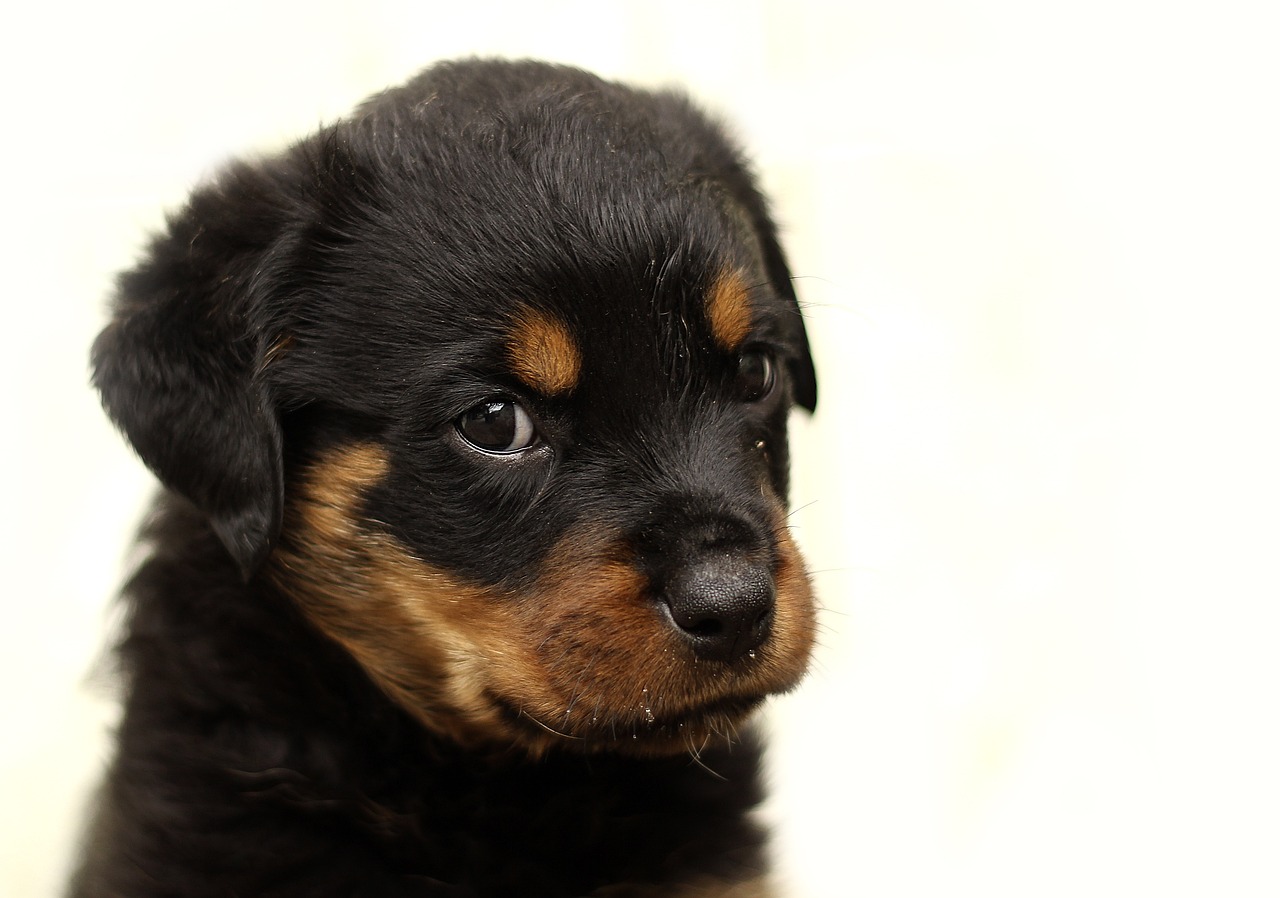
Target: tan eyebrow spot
point(543, 352)
point(729, 309)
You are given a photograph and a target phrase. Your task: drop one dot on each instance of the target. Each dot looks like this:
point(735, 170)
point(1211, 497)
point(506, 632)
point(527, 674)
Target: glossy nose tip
point(723, 606)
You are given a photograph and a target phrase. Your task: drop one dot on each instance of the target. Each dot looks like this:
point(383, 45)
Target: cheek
point(584, 654)
point(596, 639)
point(590, 651)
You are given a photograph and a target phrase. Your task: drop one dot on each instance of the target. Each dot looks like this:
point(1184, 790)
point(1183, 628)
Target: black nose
point(723, 604)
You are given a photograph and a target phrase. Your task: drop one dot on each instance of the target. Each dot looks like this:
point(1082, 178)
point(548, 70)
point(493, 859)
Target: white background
point(1037, 244)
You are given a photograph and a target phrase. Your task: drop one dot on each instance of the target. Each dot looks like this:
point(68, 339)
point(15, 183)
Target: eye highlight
point(757, 375)
point(498, 426)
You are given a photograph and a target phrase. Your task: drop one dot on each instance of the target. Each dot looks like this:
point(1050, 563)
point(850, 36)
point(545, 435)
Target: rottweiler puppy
point(472, 560)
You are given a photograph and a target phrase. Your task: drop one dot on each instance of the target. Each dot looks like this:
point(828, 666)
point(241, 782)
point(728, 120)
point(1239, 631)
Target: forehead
point(548, 242)
point(652, 292)
point(545, 349)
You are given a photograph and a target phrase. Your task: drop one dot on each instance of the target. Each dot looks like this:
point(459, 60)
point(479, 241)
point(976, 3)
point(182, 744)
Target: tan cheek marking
point(586, 653)
point(598, 633)
point(543, 353)
point(410, 627)
point(729, 309)
point(606, 648)
point(795, 611)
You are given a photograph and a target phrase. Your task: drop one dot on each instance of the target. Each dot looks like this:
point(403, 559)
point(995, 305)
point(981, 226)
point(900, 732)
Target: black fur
point(358, 289)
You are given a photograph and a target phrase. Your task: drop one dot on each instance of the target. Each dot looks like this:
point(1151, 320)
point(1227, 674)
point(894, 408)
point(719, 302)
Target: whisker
point(550, 729)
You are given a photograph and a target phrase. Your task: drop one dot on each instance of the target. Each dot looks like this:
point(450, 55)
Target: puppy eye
point(497, 426)
point(756, 375)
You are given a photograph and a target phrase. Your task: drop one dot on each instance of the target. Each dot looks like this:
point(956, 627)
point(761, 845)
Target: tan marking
point(729, 309)
point(543, 353)
point(584, 656)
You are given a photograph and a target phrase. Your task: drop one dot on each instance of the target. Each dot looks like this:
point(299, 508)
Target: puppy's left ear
point(180, 366)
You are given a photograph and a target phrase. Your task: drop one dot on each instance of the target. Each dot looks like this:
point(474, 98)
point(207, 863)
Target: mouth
point(644, 728)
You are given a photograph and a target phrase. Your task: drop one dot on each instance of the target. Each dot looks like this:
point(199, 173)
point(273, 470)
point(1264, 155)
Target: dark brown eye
point(756, 377)
point(497, 426)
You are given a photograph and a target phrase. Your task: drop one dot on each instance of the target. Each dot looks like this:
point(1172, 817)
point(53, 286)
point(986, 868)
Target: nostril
point(723, 606)
point(704, 628)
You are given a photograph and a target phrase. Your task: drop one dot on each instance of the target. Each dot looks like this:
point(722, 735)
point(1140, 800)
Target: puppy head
point(492, 380)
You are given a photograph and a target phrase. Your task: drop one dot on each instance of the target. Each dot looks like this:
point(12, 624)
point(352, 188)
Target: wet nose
point(722, 604)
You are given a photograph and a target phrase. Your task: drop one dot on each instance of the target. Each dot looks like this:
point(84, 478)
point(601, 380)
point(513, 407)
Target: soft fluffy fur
point(378, 648)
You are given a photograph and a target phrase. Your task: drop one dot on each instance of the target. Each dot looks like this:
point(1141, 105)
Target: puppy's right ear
point(181, 365)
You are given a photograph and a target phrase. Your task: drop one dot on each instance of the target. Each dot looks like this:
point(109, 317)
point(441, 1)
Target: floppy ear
point(180, 365)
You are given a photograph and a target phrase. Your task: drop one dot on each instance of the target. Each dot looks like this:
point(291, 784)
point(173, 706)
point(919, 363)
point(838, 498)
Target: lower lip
point(731, 709)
